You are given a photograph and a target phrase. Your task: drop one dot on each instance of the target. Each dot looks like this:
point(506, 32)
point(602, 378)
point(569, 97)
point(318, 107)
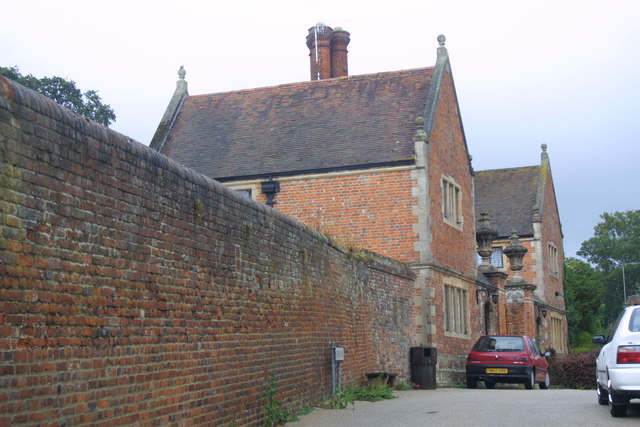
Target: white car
point(618, 364)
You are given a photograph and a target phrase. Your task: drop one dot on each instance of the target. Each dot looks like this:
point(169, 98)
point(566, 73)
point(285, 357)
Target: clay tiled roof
point(324, 124)
point(509, 195)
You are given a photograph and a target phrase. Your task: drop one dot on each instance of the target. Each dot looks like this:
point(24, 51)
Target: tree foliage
point(615, 251)
point(583, 291)
point(65, 93)
point(616, 240)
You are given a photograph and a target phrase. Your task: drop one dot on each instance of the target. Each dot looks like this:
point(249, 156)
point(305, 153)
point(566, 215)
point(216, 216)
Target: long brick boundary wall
point(135, 291)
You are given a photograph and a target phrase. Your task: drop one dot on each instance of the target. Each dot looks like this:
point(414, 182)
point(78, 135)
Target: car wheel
point(617, 410)
point(490, 385)
point(545, 384)
point(603, 396)
point(471, 382)
point(617, 407)
point(528, 384)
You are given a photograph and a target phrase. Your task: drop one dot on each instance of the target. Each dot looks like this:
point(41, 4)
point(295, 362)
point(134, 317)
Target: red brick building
point(377, 161)
point(523, 200)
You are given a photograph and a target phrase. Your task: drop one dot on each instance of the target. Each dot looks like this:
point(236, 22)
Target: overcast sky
point(565, 73)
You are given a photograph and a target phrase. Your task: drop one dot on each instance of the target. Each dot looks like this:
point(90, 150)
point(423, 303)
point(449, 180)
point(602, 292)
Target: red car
point(507, 359)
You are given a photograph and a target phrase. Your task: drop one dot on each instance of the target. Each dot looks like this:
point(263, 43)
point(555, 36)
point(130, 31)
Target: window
point(557, 334)
point(246, 192)
point(534, 347)
point(634, 324)
point(614, 327)
point(553, 260)
point(456, 312)
point(496, 258)
point(503, 344)
point(451, 202)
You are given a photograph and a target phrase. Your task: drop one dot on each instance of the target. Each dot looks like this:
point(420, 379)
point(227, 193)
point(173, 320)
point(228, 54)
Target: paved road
point(480, 407)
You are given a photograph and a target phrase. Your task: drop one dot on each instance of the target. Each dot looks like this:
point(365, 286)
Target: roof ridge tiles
point(333, 80)
point(509, 169)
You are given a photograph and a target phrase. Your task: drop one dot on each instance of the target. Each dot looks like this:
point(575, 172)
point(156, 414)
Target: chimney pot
point(319, 43)
point(339, 42)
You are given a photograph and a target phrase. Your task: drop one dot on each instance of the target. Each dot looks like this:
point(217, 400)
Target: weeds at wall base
point(275, 413)
point(371, 393)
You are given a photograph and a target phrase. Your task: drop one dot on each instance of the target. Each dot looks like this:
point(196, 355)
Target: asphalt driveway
point(479, 407)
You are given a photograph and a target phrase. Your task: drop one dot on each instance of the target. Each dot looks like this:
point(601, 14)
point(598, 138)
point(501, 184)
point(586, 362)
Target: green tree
point(615, 251)
point(583, 291)
point(65, 93)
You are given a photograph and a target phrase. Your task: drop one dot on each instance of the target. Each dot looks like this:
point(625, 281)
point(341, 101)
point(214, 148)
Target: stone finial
point(442, 39)
point(182, 72)
point(544, 148)
point(420, 134)
point(485, 235)
point(515, 252)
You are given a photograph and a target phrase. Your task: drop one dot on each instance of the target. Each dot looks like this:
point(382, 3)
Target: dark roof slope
point(324, 124)
point(509, 196)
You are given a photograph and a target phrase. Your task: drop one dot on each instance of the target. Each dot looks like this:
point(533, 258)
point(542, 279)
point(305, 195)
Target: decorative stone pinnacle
point(544, 148)
point(181, 72)
point(514, 238)
point(420, 134)
point(442, 39)
point(485, 235)
point(515, 252)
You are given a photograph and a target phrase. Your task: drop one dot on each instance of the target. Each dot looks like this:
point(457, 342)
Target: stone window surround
point(553, 263)
point(456, 311)
point(451, 202)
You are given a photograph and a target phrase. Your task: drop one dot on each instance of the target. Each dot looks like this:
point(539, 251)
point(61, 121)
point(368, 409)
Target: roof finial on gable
point(420, 134)
point(442, 51)
point(544, 156)
point(181, 72)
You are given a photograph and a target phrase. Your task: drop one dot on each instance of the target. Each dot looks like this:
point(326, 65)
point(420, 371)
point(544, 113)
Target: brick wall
point(373, 210)
point(454, 248)
point(552, 233)
point(134, 291)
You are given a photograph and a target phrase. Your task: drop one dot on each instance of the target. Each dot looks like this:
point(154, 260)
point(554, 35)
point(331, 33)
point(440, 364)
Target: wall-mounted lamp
point(269, 189)
point(543, 310)
point(495, 297)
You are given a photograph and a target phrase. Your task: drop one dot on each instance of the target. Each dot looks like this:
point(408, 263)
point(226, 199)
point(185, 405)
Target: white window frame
point(451, 202)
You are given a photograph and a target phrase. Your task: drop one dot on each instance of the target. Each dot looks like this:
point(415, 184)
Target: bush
point(574, 370)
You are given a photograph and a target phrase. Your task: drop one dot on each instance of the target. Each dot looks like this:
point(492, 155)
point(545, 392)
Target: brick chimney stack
point(319, 43)
point(339, 42)
point(327, 52)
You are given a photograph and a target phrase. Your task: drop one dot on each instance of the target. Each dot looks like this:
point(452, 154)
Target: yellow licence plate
point(497, 371)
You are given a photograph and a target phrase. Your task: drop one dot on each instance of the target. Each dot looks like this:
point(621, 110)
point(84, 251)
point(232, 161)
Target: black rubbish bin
point(423, 367)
